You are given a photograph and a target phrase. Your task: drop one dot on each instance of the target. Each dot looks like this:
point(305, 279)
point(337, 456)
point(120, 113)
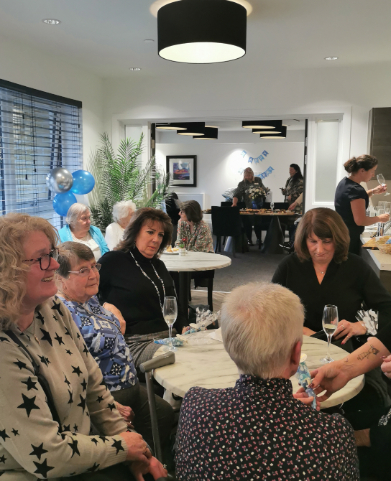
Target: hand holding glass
point(170, 313)
point(329, 323)
point(382, 181)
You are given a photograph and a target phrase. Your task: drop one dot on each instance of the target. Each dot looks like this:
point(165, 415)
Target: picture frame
point(182, 170)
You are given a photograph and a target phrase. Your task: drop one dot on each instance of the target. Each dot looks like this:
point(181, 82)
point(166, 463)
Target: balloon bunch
point(65, 185)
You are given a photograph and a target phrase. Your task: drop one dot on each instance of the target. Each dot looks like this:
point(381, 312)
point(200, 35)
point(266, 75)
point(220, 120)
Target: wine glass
point(382, 181)
point(329, 323)
point(272, 206)
point(170, 313)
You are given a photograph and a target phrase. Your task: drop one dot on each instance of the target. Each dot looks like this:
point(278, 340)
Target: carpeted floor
point(252, 266)
point(249, 267)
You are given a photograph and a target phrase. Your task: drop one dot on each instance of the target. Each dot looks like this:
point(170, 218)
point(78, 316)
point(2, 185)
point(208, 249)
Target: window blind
point(38, 132)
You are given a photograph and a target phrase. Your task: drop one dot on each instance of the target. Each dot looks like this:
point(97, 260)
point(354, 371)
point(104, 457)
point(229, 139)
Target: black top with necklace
point(136, 286)
point(345, 285)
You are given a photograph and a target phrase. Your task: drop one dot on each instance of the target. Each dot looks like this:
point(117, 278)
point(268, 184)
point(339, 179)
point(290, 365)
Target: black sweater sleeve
point(377, 298)
point(280, 275)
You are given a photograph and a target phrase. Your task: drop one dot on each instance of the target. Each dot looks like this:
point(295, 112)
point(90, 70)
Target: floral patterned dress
point(200, 240)
point(294, 188)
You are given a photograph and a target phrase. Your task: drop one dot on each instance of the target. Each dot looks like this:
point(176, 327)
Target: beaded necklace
point(147, 276)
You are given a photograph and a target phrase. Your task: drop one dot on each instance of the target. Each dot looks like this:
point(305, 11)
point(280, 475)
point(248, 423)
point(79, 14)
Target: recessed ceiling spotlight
point(331, 58)
point(149, 40)
point(135, 69)
point(51, 21)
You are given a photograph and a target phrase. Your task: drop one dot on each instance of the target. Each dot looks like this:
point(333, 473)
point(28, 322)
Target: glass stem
point(170, 334)
point(328, 345)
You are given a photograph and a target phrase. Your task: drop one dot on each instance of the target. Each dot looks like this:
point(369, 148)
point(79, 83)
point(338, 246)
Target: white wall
point(338, 92)
point(21, 64)
point(220, 165)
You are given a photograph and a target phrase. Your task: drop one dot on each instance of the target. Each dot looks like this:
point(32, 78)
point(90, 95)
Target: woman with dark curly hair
point(351, 199)
point(135, 280)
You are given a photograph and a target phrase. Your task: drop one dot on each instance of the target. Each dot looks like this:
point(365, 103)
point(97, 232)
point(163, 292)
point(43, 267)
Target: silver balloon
point(59, 180)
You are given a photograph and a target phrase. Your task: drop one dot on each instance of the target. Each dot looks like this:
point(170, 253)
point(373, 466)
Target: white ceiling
point(106, 37)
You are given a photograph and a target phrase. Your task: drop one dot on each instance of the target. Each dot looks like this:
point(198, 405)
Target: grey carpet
point(253, 266)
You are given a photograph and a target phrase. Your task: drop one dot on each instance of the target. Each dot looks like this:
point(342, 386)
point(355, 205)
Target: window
point(38, 132)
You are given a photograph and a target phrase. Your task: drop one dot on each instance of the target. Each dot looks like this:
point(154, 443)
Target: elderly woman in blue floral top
point(102, 329)
point(193, 232)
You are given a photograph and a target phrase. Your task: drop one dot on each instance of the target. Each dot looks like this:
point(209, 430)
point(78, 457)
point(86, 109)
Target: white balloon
point(59, 180)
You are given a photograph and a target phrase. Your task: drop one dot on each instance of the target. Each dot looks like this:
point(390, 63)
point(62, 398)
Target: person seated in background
point(122, 213)
point(135, 280)
point(78, 282)
point(193, 232)
point(79, 229)
point(172, 209)
point(259, 429)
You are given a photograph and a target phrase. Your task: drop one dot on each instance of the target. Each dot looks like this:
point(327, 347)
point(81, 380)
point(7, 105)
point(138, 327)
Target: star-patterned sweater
point(31, 444)
point(257, 430)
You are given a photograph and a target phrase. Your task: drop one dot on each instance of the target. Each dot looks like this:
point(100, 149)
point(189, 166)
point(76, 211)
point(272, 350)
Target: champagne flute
point(382, 181)
point(272, 206)
point(170, 313)
point(329, 323)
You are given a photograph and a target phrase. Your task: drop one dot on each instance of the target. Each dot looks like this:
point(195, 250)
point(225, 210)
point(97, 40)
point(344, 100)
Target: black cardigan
point(124, 285)
point(345, 285)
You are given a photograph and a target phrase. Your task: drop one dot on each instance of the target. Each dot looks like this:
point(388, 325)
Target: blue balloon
point(62, 202)
point(83, 182)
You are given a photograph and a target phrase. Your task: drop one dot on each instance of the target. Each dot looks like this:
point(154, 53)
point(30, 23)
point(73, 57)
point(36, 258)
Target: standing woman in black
point(351, 199)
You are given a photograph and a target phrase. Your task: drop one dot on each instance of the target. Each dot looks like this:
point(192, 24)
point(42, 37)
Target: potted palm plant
point(122, 177)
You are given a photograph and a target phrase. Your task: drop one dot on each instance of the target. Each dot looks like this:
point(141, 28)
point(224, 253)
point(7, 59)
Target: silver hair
point(260, 324)
point(121, 209)
point(74, 212)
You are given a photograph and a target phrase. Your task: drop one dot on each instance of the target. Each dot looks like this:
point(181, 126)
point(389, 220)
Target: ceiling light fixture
point(281, 135)
point(192, 128)
point(157, 4)
point(331, 58)
point(261, 124)
point(51, 21)
point(171, 126)
point(270, 131)
point(135, 69)
point(211, 133)
point(202, 31)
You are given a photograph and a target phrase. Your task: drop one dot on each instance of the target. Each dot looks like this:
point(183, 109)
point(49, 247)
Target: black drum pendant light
point(211, 133)
point(192, 128)
point(270, 135)
point(202, 31)
point(170, 126)
point(261, 124)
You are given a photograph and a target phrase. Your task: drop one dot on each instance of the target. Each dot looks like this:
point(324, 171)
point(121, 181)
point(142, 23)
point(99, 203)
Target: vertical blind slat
point(37, 133)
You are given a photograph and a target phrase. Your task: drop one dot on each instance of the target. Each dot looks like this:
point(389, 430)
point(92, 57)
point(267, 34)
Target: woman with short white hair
point(258, 429)
point(79, 229)
point(122, 213)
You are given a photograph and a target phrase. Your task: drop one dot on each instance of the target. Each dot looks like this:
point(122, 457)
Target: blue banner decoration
point(258, 159)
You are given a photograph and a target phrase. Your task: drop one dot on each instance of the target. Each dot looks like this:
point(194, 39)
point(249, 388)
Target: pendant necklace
point(147, 276)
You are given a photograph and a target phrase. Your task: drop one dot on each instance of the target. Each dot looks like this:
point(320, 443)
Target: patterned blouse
point(294, 188)
point(200, 240)
point(101, 332)
point(257, 430)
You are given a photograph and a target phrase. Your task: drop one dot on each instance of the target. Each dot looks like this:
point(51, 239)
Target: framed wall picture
point(183, 170)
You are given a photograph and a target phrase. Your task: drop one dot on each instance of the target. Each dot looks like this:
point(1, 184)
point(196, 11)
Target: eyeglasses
point(45, 260)
point(86, 271)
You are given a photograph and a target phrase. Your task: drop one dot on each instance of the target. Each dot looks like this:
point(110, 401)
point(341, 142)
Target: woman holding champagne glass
point(351, 199)
point(322, 271)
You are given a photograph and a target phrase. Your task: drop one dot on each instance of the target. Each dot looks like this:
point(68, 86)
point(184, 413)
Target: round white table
point(191, 262)
point(209, 366)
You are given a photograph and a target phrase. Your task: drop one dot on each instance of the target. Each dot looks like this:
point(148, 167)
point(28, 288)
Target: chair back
point(281, 205)
point(226, 221)
point(226, 204)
